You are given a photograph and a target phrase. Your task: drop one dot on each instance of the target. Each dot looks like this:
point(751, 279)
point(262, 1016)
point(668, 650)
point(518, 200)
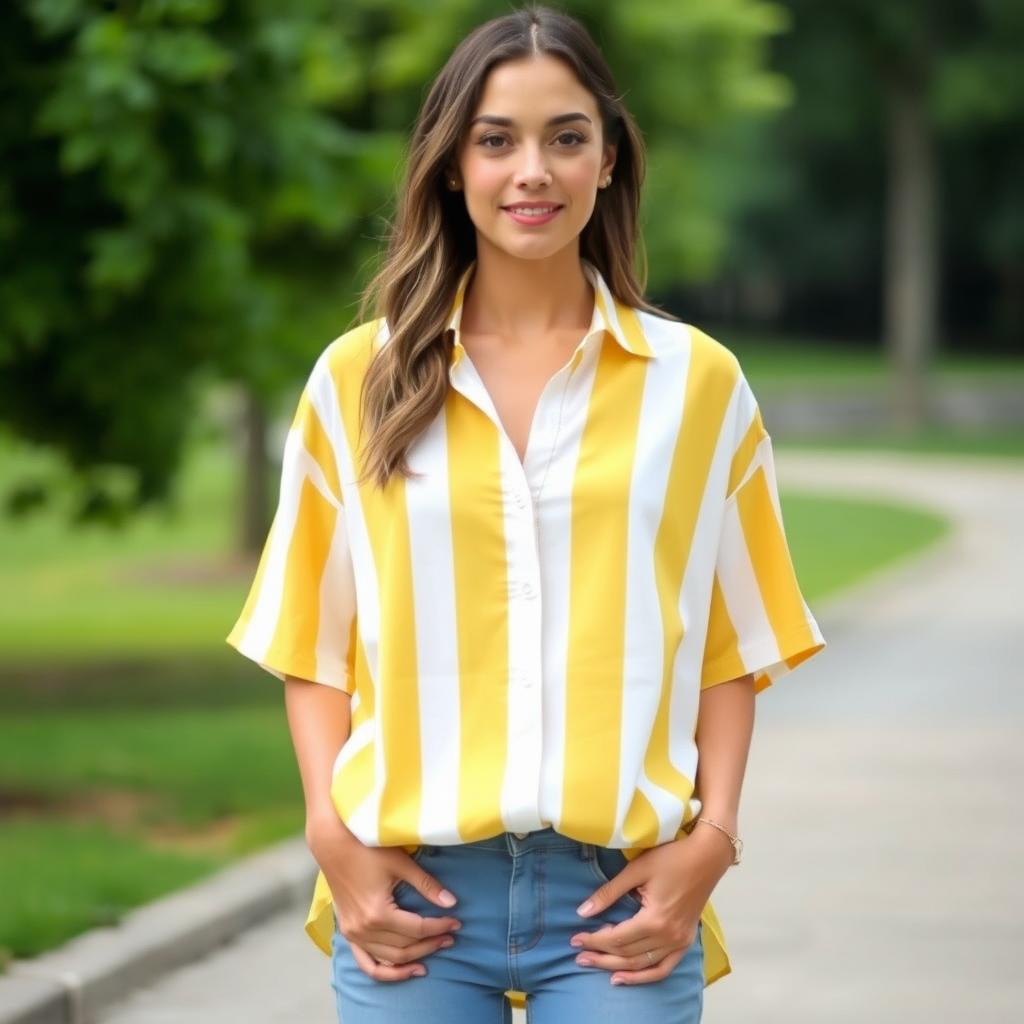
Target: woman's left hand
point(674, 882)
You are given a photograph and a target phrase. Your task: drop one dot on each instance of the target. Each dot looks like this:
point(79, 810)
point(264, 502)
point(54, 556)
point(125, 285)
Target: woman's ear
point(610, 152)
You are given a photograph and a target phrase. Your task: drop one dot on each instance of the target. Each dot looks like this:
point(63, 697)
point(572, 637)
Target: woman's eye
point(574, 136)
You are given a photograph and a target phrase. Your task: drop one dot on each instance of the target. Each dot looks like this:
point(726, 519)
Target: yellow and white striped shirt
point(525, 643)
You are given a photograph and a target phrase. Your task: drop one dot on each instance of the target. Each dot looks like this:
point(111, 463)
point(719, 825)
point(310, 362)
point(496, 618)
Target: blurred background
point(192, 193)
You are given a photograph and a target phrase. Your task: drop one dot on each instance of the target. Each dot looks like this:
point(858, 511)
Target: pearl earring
point(607, 181)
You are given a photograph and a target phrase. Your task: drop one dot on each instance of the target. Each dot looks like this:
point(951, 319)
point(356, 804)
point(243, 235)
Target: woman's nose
point(533, 169)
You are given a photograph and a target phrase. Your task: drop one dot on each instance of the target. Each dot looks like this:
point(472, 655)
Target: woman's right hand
point(362, 879)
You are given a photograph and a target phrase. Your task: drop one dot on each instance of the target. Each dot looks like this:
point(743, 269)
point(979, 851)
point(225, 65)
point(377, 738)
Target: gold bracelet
point(737, 843)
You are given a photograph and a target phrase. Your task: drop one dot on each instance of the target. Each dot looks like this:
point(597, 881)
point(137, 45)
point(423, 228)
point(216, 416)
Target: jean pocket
point(606, 862)
point(402, 886)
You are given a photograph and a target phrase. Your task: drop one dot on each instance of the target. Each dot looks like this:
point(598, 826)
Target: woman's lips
point(522, 218)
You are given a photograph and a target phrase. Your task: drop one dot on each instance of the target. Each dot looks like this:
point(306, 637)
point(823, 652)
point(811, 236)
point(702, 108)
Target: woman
point(529, 544)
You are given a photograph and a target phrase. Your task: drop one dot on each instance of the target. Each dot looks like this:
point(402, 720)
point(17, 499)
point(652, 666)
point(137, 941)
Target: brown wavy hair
point(432, 240)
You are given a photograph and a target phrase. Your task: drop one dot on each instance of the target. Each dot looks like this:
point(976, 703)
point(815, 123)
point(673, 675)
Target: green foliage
point(184, 194)
point(809, 188)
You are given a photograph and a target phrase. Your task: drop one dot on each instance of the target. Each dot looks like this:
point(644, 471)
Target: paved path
point(881, 809)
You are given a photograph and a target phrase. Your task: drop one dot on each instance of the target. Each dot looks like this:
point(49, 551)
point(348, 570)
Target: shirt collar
point(610, 315)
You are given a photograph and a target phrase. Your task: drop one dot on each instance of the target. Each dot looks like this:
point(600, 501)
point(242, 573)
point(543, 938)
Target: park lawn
point(165, 584)
point(61, 878)
point(107, 807)
point(938, 441)
point(785, 360)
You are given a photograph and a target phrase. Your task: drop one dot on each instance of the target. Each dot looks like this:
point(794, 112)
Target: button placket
point(525, 592)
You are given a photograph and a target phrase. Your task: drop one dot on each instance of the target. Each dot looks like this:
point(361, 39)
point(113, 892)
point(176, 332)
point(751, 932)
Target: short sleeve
point(299, 617)
point(759, 622)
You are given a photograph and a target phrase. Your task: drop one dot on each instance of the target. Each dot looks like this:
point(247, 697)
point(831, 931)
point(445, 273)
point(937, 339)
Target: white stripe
point(610, 315)
point(259, 633)
point(555, 545)
point(695, 602)
point(765, 458)
point(433, 581)
point(337, 605)
point(661, 413)
point(367, 828)
point(323, 397)
point(740, 589)
point(302, 466)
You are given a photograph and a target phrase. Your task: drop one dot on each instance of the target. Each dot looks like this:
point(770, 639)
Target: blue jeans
point(517, 904)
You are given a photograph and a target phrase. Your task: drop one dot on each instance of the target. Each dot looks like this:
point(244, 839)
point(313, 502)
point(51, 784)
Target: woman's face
point(527, 159)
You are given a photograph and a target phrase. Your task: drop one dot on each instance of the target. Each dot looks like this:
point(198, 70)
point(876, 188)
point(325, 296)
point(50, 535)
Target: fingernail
point(576, 942)
point(585, 908)
point(456, 926)
point(419, 972)
point(447, 898)
point(584, 961)
point(449, 941)
point(616, 981)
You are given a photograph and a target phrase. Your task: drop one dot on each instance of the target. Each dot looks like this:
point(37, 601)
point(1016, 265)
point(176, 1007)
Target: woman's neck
point(519, 299)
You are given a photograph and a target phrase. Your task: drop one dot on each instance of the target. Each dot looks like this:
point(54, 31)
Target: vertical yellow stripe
point(398, 697)
point(773, 567)
point(710, 381)
point(745, 451)
point(364, 710)
point(350, 653)
point(295, 634)
point(597, 596)
point(721, 652)
point(629, 322)
point(317, 443)
point(480, 559)
point(354, 782)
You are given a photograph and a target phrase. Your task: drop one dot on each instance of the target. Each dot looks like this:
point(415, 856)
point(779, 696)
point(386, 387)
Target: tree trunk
point(911, 267)
point(255, 520)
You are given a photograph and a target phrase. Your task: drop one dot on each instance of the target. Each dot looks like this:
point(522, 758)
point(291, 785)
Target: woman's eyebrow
point(508, 121)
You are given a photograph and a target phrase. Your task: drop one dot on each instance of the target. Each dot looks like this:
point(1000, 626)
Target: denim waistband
point(511, 843)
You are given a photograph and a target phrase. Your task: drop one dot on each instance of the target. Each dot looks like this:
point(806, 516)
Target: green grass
point(202, 764)
point(164, 585)
point(60, 878)
point(770, 360)
point(138, 753)
point(104, 808)
point(836, 542)
point(935, 441)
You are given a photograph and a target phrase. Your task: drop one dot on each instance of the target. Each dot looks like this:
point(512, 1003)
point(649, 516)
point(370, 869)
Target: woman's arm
point(725, 724)
point(386, 941)
point(319, 718)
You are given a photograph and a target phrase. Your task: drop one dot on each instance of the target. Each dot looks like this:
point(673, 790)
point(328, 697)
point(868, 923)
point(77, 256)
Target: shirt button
point(528, 591)
point(521, 835)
